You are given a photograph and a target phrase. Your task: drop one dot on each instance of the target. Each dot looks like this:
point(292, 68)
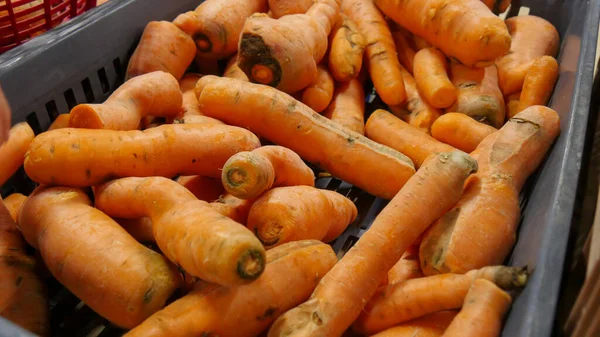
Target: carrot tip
point(251, 264)
point(258, 62)
point(262, 74)
point(85, 116)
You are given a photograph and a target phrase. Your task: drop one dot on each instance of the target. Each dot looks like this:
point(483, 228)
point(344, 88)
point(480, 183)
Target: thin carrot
point(347, 46)
point(280, 8)
point(539, 82)
point(163, 47)
point(460, 131)
point(14, 150)
point(407, 268)
point(289, 123)
point(347, 107)
point(140, 228)
point(233, 71)
point(166, 151)
point(391, 131)
point(249, 174)
point(340, 296)
point(61, 122)
point(234, 208)
point(13, 204)
point(152, 94)
point(203, 188)
point(191, 113)
point(482, 313)
point(319, 94)
point(381, 59)
point(91, 255)
point(432, 325)
point(406, 54)
point(431, 76)
point(481, 228)
point(187, 230)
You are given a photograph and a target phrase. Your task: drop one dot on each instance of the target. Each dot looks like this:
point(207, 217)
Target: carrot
point(234, 208)
point(347, 107)
point(280, 8)
point(340, 296)
point(152, 94)
point(532, 37)
point(190, 113)
point(381, 59)
point(163, 47)
point(203, 188)
point(539, 82)
point(233, 71)
point(166, 150)
point(403, 301)
point(478, 95)
point(284, 53)
point(515, 96)
point(61, 122)
point(289, 123)
point(247, 175)
point(408, 267)
point(406, 54)
point(93, 257)
point(432, 325)
point(215, 25)
point(290, 276)
point(14, 150)
point(13, 204)
point(481, 228)
point(347, 46)
point(319, 94)
point(391, 131)
point(140, 228)
point(460, 131)
point(482, 313)
point(187, 230)
point(512, 108)
point(431, 76)
point(420, 42)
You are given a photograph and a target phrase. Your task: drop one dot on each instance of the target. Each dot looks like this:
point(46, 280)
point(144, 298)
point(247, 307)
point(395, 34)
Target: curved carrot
point(61, 122)
point(382, 62)
point(95, 258)
point(347, 107)
point(407, 268)
point(140, 228)
point(280, 8)
point(431, 76)
point(432, 325)
point(406, 54)
point(332, 308)
point(442, 23)
point(190, 113)
point(187, 230)
point(166, 151)
point(247, 175)
point(347, 46)
point(203, 188)
point(460, 131)
point(163, 47)
point(152, 94)
point(13, 152)
point(539, 82)
point(319, 94)
point(234, 208)
point(13, 204)
point(233, 71)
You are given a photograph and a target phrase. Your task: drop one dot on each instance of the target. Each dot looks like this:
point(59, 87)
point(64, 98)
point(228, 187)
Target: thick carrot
point(190, 113)
point(13, 204)
point(163, 47)
point(284, 53)
point(61, 122)
point(140, 228)
point(539, 82)
point(386, 129)
point(347, 107)
point(381, 59)
point(233, 71)
point(152, 94)
point(431, 76)
point(403, 301)
point(234, 208)
point(465, 30)
point(406, 54)
point(319, 94)
point(481, 228)
point(460, 131)
point(287, 122)
point(482, 313)
point(14, 150)
point(432, 325)
point(280, 8)
point(215, 25)
point(408, 267)
point(532, 37)
point(478, 94)
point(166, 151)
point(189, 232)
point(96, 259)
point(247, 175)
point(245, 311)
point(203, 188)
point(347, 46)
point(340, 296)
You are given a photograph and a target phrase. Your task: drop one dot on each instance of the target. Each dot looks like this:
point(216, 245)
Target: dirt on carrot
point(347, 46)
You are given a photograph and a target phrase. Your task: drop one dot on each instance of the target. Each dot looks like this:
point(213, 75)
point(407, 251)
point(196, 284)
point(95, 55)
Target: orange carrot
point(465, 30)
point(340, 296)
point(280, 8)
point(13, 204)
point(233, 71)
point(140, 228)
point(482, 313)
point(163, 47)
point(481, 228)
point(203, 188)
point(420, 42)
point(431, 76)
point(215, 25)
point(460, 131)
point(152, 94)
point(287, 122)
point(284, 53)
point(403, 301)
point(319, 94)
point(290, 276)
point(347, 46)
point(61, 122)
point(191, 113)
point(91, 255)
point(406, 54)
point(247, 175)
point(347, 107)
point(381, 59)
point(432, 325)
point(234, 208)
point(166, 151)
point(539, 82)
point(187, 230)
point(532, 37)
point(512, 108)
point(515, 96)
point(14, 150)
point(408, 267)
point(391, 131)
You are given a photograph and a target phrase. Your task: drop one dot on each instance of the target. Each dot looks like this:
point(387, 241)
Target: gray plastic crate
point(83, 61)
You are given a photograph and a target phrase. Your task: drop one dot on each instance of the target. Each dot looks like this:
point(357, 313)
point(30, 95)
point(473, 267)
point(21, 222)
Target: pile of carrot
point(216, 168)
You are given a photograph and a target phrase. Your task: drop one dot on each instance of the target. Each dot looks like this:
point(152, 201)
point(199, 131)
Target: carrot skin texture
point(347, 107)
point(432, 325)
point(61, 122)
point(347, 46)
point(406, 54)
point(318, 95)
point(460, 131)
point(539, 82)
point(435, 187)
point(166, 150)
point(289, 123)
point(431, 76)
point(190, 113)
point(280, 8)
point(234, 208)
point(407, 268)
point(203, 188)
point(14, 150)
